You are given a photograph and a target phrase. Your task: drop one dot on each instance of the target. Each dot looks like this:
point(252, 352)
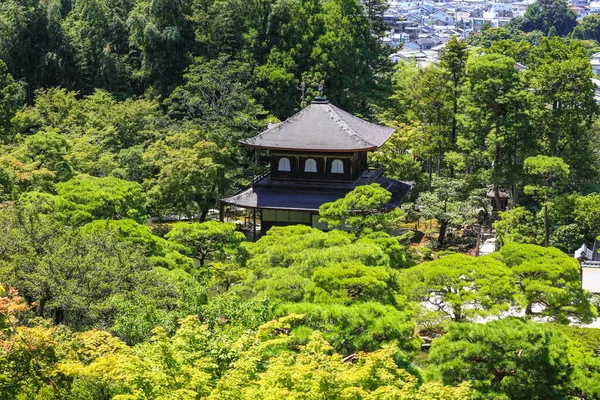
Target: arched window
point(284, 164)
point(310, 165)
point(337, 167)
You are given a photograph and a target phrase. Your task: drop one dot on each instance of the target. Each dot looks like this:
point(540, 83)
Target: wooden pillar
point(254, 223)
point(221, 211)
point(261, 222)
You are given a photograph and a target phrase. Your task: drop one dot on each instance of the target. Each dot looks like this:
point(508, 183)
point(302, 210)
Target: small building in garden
point(504, 199)
point(589, 260)
point(317, 156)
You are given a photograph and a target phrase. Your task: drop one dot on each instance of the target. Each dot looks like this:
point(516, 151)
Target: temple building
point(317, 156)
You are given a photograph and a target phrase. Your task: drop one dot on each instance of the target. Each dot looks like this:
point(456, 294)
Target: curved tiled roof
point(308, 199)
point(322, 127)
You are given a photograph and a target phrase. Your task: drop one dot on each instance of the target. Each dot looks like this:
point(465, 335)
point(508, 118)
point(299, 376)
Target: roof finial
point(320, 99)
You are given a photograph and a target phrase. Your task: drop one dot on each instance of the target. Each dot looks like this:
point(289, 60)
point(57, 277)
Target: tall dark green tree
point(350, 56)
point(543, 15)
point(34, 46)
point(97, 33)
point(12, 98)
point(454, 59)
point(494, 107)
point(161, 37)
point(565, 107)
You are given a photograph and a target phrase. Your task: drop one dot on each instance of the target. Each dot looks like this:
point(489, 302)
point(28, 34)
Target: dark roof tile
point(308, 200)
point(322, 127)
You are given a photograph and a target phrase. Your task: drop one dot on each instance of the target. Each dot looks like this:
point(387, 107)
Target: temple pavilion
point(317, 156)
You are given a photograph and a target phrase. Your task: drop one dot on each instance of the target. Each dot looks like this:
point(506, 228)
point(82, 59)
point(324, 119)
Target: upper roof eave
point(309, 150)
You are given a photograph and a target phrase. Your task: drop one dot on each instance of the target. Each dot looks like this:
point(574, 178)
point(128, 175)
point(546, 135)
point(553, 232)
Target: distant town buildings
point(423, 25)
point(420, 29)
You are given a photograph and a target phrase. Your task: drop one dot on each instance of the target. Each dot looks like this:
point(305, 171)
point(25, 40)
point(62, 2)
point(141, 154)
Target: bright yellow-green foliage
point(268, 364)
point(105, 198)
point(315, 371)
point(163, 366)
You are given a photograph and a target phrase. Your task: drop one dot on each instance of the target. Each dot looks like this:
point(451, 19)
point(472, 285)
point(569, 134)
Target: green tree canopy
point(189, 174)
point(362, 211)
point(209, 241)
point(508, 359)
point(48, 149)
point(105, 198)
point(158, 249)
point(588, 28)
point(550, 281)
point(494, 105)
point(519, 225)
point(587, 215)
point(460, 287)
point(358, 327)
point(12, 98)
point(553, 172)
point(86, 278)
point(447, 202)
point(543, 15)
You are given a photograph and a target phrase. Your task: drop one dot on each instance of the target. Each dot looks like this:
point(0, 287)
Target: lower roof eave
point(304, 200)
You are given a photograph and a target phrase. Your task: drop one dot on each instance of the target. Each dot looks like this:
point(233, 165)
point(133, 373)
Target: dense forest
point(115, 114)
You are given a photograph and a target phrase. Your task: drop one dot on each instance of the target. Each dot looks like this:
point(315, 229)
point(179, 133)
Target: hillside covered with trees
point(115, 115)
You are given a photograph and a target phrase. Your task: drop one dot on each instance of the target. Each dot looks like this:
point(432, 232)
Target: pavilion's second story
point(307, 166)
point(320, 145)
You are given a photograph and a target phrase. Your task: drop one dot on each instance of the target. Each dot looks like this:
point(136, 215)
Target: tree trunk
point(439, 162)
point(546, 227)
point(497, 198)
point(41, 307)
point(513, 195)
point(430, 171)
point(454, 112)
point(203, 215)
point(442, 235)
point(498, 377)
point(458, 317)
point(497, 166)
point(454, 123)
point(59, 315)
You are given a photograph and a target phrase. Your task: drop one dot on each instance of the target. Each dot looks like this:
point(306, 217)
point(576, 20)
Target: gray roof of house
point(322, 127)
point(306, 199)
